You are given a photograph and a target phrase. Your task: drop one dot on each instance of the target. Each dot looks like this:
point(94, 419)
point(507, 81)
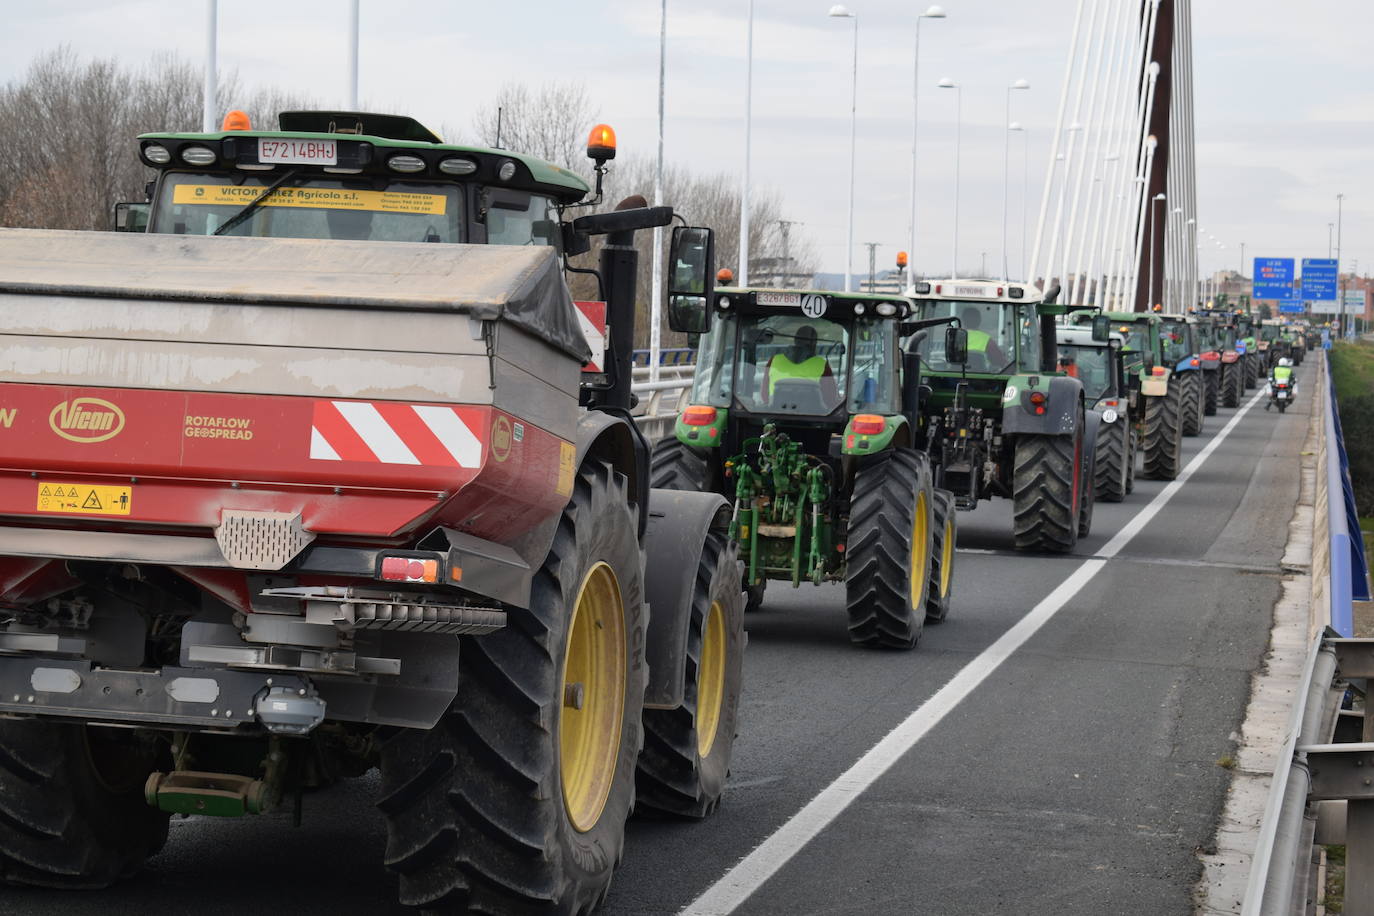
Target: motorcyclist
point(1281, 373)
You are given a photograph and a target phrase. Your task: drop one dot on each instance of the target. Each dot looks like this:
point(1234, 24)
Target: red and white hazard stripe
point(389, 433)
point(591, 316)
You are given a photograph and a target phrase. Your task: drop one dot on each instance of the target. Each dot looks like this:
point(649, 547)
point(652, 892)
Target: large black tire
point(1211, 392)
point(1087, 496)
point(475, 807)
point(1113, 455)
point(1232, 383)
point(686, 755)
point(1163, 434)
point(1133, 460)
point(674, 465)
point(1046, 491)
point(1190, 402)
point(1253, 370)
point(888, 549)
point(940, 592)
point(72, 812)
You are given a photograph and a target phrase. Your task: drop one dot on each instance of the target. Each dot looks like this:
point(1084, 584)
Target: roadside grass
point(1352, 370)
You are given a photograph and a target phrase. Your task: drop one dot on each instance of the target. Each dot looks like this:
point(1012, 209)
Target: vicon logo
point(86, 420)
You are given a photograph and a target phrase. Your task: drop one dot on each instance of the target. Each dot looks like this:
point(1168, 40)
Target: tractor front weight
point(780, 518)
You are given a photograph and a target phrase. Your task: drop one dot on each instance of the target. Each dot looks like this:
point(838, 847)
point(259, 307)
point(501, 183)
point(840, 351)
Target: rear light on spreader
point(699, 416)
point(408, 569)
point(868, 424)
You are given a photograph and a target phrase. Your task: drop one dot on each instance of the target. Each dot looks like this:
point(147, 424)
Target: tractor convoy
point(316, 467)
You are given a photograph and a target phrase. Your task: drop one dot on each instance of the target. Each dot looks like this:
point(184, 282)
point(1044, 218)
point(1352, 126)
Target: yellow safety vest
point(978, 341)
point(1282, 373)
point(783, 368)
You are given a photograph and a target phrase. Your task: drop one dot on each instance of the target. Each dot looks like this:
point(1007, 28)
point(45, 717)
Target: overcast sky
point(1284, 97)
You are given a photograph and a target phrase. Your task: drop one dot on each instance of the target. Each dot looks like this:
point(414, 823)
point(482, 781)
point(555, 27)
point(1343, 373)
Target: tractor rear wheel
point(1047, 491)
point(1211, 391)
point(1087, 496)
point(674, 465)
point(516, 800)
point(1232, 384)
point(1190, 402)
point(1113, 454)
point(686, 754)
point(1163, 434)
point(946, 533)
point(72, 811)
point(1132, 459)
point(888, 549)
point(1252, 370)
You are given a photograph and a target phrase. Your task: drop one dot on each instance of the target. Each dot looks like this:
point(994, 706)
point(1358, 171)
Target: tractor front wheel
point(888, 549)
point(686, 754)
point(946, 533)
point(1047, 491)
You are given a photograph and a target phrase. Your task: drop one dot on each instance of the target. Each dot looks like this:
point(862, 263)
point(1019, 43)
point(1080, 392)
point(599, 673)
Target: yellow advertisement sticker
point(567, 468)
point(313, 198)
point(84, 499)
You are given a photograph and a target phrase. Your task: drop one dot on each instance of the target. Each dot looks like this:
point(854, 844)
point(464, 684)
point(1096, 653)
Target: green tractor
point(1253, 358)
point(1159, 357)
point(803, 411)
point(1111, 392)
point(1000, 418)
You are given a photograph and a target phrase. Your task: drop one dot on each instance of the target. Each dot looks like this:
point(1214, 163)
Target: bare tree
point(68, 152)
point(550, 122)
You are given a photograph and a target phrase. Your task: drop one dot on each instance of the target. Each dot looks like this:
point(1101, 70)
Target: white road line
point(772, 854)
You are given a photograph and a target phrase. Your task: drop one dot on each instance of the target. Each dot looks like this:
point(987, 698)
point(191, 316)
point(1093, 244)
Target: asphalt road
point(1082, 776)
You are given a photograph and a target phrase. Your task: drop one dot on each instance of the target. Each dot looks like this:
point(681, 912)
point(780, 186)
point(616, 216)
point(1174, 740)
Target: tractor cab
point(1098, 364)
point(814, 364)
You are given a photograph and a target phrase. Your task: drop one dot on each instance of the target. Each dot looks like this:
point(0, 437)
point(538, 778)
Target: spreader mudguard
point(1063, 395)
point(678, 523)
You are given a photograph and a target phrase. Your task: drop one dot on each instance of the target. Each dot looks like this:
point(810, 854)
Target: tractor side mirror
point(691, 279)
point(1102, 328)
point(956, 346)
point(131, 217)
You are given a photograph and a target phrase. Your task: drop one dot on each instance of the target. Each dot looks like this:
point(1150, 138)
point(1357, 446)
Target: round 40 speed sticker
point(813, 306)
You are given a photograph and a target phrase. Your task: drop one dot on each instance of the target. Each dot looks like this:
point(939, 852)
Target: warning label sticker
point(567, 468)
point(84, 499)
point(313, 198)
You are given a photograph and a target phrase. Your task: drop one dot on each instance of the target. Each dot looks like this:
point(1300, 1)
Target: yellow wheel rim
point(947, 554)
point(920, 558)
point(593, 697)
point(710, 679)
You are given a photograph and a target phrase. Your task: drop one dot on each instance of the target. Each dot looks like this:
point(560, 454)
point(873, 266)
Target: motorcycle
point(1281, 394)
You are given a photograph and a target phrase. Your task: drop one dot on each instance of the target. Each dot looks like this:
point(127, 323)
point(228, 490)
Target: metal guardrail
point(1314, 766)
point(660, 402)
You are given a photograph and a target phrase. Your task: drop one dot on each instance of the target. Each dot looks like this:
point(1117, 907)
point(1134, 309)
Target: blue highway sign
point(1274, 279)
point(1319, 279)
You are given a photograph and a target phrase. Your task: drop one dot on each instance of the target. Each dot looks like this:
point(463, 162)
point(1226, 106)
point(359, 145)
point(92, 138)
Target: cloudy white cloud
point(1285, 115)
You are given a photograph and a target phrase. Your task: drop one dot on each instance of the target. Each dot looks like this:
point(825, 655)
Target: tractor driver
point(979, 341)
point(801, 361)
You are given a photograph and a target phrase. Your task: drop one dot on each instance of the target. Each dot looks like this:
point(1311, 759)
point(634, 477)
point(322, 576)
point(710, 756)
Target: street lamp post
point(1150, 298)
point(947, 83)
point(840, 11)
point(1006, 166)
point(743, 272)
point(1025, 187)
point(935, 12)
point(1340, 287)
